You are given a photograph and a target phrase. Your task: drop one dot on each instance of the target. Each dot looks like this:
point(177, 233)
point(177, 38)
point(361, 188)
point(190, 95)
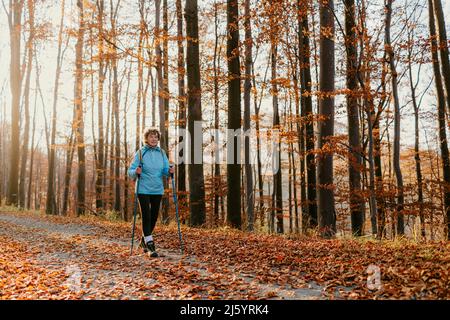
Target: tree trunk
point(115, 137)
point(140, 75)
point(159, 71)
point(3, 152)
point(413, 88)
point(258, 146)
point(216, 66)
point(162, 94)
point(234, 116)
point(277, 182)
point(147, 84)
point(181, 181)
point(115, 102)
point(37, 188)
point(326, 209)
point(50, 207)
point(354, 156)
point(247, 95)
point(79, 125)
point(126, 214)
point(196, 178)
point(14, 21)
point(111, 175)
point(310, 220)
point(364, 79)
point(32, 151)
point(394, 76)
point(68, 173)
point(294, 174)
point(441, 119)
point(26, 94)
point(164, 128)
point(100, 169)
point(443, 48)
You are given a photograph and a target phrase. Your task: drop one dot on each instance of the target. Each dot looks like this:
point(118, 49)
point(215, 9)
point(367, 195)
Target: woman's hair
point(152, 131)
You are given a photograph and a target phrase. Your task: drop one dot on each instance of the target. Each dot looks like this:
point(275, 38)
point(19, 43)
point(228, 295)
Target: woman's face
point(152, 140)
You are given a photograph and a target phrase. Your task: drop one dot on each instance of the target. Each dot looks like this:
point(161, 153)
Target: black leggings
point(149, 204)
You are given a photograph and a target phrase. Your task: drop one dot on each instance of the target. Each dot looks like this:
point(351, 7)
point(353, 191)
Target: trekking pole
point(134, 213)
point(136, 201)
point(175, 200)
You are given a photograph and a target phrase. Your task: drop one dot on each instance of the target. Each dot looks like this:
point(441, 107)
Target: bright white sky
point(47, 57)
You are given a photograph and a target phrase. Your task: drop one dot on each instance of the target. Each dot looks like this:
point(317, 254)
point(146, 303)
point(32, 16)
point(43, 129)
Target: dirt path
point(88, 262)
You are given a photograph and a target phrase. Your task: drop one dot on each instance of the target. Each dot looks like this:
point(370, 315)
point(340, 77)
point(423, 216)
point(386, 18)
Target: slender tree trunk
point(68, 173)
point(216, 66)
point(309, 221)
point(100, 169)
point(152, 83)
point(140, 75)
point(354, 157)
point(162, 93)
point(441, 119)
point(50, 207)
point(159, 71)
point(109, 120)
point(14, 21)
point(277, 182)
point(294, 174)
point(165, 131)
point(26, 95)
point(381, 199)
point(196, 177)
point(165, 75)
point(37, 188)
point(326, 207)
point(161, 88)
point(234, 116)
point(258, 150)
point(443, 48)
point(115, 151)
point(126, 214)
point(181, 181)
point(287, 118)
point(418, 168)
point(300, 123)
point(394, 76)
point(3, 152)
point(147, 84)
point(32, 151)
point(381, 215)
point(247, 95)
point(117, 137)
point(364, 79)
point(416, 139)
point(79, 125)
point(300, 127)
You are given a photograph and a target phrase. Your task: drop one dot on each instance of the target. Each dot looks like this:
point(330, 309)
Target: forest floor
point(52, 257)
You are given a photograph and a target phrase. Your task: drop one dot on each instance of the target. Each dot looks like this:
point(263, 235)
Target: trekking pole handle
point(171, 166)
point(138, 174)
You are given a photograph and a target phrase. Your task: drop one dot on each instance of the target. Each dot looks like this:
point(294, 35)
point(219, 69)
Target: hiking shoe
point(143, 245)
point(152, 249)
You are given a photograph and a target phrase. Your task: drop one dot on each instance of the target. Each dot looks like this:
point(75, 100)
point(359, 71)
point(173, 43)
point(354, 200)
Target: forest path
point(88, 262)
point(54, 257)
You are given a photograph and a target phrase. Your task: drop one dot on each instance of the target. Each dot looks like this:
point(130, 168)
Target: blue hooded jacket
point(154, 165)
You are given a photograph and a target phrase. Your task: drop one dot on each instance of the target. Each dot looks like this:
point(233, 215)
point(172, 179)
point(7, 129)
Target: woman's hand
point(171, 169)
point(138, 170)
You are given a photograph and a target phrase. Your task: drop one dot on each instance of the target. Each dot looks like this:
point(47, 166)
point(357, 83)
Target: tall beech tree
point(195, 170)
point(234, 116)
point(326, 206)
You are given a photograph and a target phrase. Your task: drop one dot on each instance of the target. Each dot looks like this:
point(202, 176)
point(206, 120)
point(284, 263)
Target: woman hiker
point(150, 164)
